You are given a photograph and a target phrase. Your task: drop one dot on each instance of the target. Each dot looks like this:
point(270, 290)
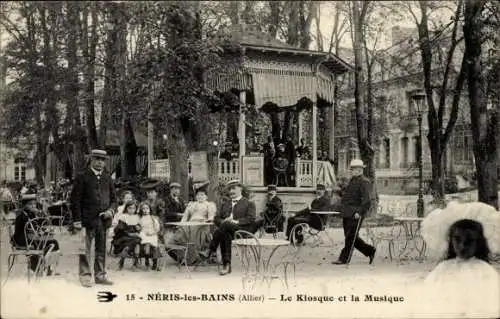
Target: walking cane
point(354, 241)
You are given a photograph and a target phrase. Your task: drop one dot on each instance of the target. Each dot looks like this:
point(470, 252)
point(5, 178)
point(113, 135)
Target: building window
point(462, 146)
point(411, 104)
point(404, 149)
point(19, 169)
point(387, 152)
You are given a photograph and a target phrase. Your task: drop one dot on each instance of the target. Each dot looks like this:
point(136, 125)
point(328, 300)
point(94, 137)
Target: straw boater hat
point(150, 184)
point(234, 183)
point(357, 163)
point(436, 226)
point(95, 153)
point(175, 185)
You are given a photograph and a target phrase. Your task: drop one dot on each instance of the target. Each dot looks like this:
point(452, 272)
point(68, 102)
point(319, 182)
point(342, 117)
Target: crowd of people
point(464, 233)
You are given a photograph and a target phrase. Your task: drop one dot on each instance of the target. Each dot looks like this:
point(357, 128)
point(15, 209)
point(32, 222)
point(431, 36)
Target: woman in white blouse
point(200, 210)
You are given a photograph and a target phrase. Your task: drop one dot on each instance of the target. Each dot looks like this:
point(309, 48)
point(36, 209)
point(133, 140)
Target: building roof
point(252, 38)
point(252, 35)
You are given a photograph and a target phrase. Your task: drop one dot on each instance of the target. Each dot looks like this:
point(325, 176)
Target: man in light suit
point(93, 202)
point(236, 214)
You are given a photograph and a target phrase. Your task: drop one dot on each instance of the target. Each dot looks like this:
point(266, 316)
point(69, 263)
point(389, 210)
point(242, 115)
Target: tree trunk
point(89, 55)
point(484, 123)
point(212, 160)
point(274, 18)
point(110, 73)
point(178, 155)
point(48, 16)
point(234, 9)
point(293, 23)
point(362, 122)
point(437, 173)
point(437, 135)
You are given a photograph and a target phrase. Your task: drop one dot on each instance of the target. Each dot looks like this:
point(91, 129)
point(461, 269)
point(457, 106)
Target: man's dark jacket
point(274, 206)
point(243, 212)
point(321, 204)
point(356, 197)
point(172, 208)
point(92, 196)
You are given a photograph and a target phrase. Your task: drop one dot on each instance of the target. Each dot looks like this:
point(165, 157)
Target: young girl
point(464, 283)
point(150, 230)
point(126, 240)
point(127, 196)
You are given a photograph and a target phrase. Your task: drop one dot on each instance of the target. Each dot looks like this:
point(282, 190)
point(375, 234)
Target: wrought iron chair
point(271, 223)
point(372, 225)
point(37, 232)
point(250, 257)
point(291, 258)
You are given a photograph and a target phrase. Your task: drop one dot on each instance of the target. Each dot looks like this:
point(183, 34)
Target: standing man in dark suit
point(174, 205)
point(354, 205)
point(93, 202)
point(269, 152)
point(320, 203)
point(273, 214)
point(236, 214)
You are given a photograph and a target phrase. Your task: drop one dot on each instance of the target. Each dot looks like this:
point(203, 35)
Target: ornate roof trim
point(339, 66)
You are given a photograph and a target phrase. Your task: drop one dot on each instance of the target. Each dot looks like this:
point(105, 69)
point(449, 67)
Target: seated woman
point(200, 210)
point(28, 212)
point(126, 240)
point(464, 283)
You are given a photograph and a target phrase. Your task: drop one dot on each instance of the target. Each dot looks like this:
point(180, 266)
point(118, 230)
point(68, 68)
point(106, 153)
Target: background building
point(397, 73)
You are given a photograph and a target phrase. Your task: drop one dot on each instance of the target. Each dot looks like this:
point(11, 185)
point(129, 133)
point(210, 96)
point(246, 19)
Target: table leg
point(267, 271)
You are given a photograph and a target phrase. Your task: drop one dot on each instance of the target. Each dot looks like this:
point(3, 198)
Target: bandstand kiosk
point(268, 70)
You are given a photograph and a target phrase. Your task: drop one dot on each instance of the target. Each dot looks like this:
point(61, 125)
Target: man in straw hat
point(236, 214)
point(354, 205)
point(93, 201)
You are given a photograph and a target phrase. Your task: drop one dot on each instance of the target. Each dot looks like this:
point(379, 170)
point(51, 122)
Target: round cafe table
point(263, 265)
point(192, 232)
point(187, 228)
